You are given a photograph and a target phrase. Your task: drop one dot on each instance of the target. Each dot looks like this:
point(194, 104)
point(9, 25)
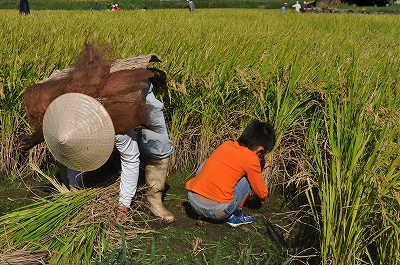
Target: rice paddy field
point(329, 84)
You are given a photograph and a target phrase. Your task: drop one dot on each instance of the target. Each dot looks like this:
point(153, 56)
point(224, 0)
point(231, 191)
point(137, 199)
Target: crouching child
point(225, 180)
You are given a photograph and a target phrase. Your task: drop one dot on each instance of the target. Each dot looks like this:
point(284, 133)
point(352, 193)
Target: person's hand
point(264, 164)
point(268, 164)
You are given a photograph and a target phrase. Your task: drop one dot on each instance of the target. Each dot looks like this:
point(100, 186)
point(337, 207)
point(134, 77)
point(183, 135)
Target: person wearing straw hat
point(127, 96)
point(80, 134)
point(283, 8)
point(155, 147)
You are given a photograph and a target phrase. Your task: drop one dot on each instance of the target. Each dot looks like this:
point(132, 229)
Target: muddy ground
point(276, 236)
point(273, 238)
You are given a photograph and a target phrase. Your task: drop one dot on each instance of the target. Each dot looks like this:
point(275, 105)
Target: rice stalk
point(59, 187)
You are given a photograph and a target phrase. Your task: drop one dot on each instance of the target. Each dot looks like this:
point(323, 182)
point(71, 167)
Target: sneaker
point(240, 219)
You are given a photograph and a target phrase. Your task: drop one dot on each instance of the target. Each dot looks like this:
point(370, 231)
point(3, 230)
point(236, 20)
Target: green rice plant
point(357, 167)
point(59, 187)
point(235, 58)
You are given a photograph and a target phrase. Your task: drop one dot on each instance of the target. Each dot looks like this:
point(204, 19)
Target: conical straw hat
point(79, 131)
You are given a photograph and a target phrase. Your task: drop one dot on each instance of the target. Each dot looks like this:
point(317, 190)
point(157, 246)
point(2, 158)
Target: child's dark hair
point(256, 134)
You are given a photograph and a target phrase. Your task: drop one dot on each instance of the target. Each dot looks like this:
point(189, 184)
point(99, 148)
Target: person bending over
point(224, 181)
point(156, 148)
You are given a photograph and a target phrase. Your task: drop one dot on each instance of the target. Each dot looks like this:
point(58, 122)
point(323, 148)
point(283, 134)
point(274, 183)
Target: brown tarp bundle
point(117, 85)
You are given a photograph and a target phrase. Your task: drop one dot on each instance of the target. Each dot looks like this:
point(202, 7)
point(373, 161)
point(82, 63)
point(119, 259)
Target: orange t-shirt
point(223, 170)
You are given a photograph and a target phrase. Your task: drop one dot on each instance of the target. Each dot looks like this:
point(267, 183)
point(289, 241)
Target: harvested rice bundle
point(74, 227)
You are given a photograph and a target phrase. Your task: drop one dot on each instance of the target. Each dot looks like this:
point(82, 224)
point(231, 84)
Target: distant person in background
point(283, 8)
point(304, 7)
point(24, 7)
point(191, 5)
point(297, 6)
point(96, 8)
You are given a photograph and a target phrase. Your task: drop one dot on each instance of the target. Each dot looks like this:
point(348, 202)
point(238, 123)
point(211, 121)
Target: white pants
point(128, 149)
point(130, 162)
